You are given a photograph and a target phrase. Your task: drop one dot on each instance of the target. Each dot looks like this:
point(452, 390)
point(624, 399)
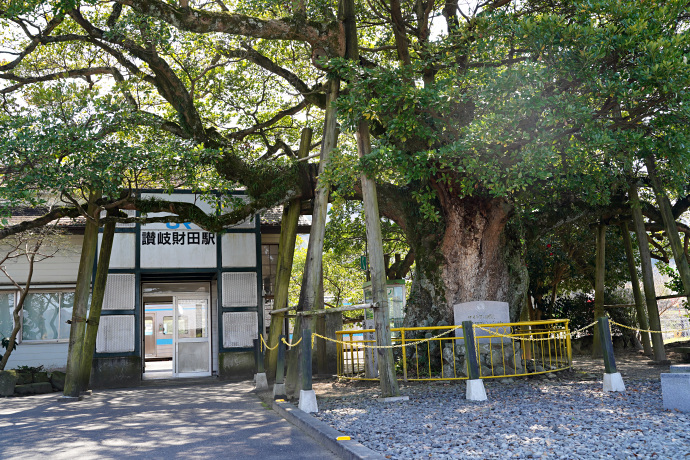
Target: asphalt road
point(205, 421)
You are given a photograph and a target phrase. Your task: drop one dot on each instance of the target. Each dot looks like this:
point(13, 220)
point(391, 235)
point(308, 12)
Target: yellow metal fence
point(439, 353)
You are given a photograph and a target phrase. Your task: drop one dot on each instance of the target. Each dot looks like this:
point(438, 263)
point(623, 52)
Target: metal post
point(470, 349)
point(280, 364)
point(257, 357)
point(306, 359)
point(607, 346)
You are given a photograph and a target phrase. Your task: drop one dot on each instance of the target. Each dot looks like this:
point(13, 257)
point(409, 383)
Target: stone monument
point(483, 312)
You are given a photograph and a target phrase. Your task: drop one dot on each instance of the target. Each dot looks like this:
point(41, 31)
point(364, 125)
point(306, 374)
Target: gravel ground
point(566, 417)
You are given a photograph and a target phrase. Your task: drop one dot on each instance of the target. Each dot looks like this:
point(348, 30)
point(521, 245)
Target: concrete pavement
point(205, 421)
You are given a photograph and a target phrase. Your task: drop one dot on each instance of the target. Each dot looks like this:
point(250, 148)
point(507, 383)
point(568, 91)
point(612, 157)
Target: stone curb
point(324, 434)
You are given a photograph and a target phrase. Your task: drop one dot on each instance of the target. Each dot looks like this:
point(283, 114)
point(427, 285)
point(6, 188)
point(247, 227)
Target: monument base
point(307, 401)
point(475, 390)
point(261, 382)
point(279, 391)
point(613, 382)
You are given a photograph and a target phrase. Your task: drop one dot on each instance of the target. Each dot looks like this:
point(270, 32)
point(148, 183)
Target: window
point(269, 267)
point(45, 315)
point(167, 325)
point(6, 307)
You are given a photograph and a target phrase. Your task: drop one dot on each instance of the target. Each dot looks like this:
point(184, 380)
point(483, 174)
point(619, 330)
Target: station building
point(179, 301)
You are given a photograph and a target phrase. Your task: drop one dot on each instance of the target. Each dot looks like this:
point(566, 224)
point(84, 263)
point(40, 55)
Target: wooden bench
point(685, 351)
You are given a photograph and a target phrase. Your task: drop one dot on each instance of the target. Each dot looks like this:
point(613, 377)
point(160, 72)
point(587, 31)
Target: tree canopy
point(492, 123)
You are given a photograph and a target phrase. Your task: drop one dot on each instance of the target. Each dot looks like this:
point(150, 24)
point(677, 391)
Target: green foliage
point(567, 256)
point(31, 369)
point(342, 278)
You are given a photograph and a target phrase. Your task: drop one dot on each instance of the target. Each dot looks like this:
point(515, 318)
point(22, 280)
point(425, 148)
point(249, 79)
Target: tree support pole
point(386, 367)
point(313, 264)
point(647, 275)
point(599, 278)
point(612, 378)
point(639, 301)
point(286, 253)
point(81, 298)
point(669, 224)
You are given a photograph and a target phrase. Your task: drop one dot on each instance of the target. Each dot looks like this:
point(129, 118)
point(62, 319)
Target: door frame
point(185, 295)
point(176, 338)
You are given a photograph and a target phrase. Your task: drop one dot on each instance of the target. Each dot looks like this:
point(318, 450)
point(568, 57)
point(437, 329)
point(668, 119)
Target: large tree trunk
point(479, 258)
point(81, 299)
point(97, 296)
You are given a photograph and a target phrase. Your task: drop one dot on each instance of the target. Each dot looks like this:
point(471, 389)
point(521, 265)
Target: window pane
point(6, 306)
point(41, 316)
point(66, 304)
point(167, 325)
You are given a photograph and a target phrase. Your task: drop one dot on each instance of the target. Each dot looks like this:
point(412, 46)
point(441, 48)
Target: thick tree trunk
point(81, 299)
point(286, 253)
point(647, 276)
point(479, 258)
point(635, 281)
point(98, 293)
point(599, 281)
point(313, 264)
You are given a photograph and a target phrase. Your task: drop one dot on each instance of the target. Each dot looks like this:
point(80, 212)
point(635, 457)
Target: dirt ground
point(632, 365)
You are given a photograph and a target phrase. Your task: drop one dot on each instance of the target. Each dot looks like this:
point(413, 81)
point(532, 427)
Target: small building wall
point(52, 356)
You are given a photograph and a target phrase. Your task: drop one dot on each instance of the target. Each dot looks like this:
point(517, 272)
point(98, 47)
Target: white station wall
point(173, 245)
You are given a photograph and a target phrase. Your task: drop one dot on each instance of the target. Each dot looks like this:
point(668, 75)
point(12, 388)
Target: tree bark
point(98, 293)
point(313, 264)
point(599, 280)
point(479, 258)
point(639, 301)
point(647, 275)
point(286, 253)
point(81, 298)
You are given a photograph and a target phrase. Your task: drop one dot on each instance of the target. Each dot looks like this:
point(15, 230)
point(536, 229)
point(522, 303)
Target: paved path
point(218, 420)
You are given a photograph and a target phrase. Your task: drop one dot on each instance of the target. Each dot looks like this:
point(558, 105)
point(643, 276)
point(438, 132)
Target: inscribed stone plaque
point(483, 312)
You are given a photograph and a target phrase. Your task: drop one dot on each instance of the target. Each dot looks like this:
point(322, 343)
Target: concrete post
point(475, 386)
point(612, 378)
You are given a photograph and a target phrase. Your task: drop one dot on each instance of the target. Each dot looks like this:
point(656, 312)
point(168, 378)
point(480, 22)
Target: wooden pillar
point(386, 367)
point(639, 300)
point(647, 275)
point(313, 264)
point(669, 224)
point(286, 252)
point(599, 278)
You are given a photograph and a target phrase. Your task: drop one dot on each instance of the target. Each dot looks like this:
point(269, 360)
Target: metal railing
point(438, 353)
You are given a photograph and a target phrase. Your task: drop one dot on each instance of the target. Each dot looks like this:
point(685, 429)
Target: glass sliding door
point(192, 338)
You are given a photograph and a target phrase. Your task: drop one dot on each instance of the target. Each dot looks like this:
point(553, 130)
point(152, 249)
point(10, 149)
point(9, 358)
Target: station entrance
point(176, 335)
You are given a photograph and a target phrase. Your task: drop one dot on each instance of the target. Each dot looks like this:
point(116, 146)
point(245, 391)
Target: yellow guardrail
point(435, 353)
